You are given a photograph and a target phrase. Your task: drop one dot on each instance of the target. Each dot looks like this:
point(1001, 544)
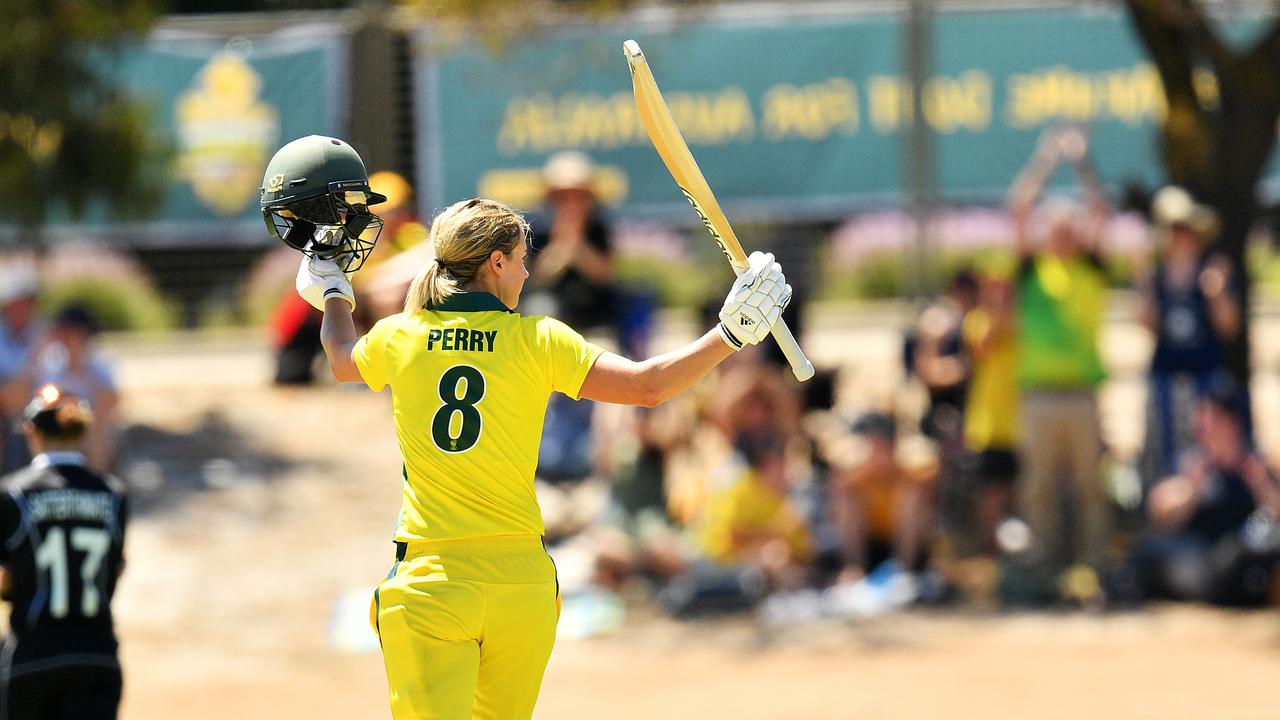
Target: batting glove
point(755, 302)
point(319, 279)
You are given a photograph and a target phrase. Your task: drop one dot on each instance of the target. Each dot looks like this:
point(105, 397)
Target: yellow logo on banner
point(224, 134)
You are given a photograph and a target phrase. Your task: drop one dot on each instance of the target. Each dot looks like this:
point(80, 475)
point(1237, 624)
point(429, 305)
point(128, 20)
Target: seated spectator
point(881, 498)
point(1202, 546)
point(753, 522)
point(749, 540)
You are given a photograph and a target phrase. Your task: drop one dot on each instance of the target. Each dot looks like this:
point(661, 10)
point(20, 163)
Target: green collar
point(478, 301)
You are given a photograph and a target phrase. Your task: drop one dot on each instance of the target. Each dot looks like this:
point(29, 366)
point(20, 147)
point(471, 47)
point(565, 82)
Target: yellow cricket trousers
point(466, 627)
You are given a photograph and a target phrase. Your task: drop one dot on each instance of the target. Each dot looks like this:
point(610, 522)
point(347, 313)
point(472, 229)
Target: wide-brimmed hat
point(1173, 206)
point(569, 170)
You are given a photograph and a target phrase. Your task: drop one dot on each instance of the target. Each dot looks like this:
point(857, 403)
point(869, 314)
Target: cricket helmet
point(316, 198)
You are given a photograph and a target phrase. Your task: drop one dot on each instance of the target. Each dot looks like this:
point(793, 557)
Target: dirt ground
point(258, 508)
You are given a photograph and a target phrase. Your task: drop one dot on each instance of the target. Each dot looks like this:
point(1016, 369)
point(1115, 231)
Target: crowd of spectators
point(753, 491)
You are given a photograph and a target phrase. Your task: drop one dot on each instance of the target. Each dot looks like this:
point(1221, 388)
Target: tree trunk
point(1217, 148)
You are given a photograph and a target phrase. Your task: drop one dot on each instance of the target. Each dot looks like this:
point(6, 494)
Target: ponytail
point(463, 236)
point(430, 287)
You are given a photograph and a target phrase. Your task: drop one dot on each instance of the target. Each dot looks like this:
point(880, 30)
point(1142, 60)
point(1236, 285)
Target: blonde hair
point(464, 235)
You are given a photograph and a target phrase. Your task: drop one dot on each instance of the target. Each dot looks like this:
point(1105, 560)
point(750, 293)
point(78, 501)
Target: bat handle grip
point(800, 365)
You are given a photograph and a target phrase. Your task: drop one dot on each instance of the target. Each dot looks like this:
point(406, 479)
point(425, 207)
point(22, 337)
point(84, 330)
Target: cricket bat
point(675, 154)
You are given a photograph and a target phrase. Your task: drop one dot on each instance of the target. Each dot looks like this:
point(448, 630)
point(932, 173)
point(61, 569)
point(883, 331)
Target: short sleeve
point(370, 355)
point(569, 356)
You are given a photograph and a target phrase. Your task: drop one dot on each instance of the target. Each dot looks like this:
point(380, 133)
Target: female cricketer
point(467, 616)
point(62, 526)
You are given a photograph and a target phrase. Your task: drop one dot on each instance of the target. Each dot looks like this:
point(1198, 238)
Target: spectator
point(19, 331)
point(573, 266)
point(752, 521)
point(750, 539)
point(66, 356)
point(940, 361)
point(572, 278)
point(881, 498)
point(991, 420)
point(1202, 546)
point(1189, 305)
point(1061, 296)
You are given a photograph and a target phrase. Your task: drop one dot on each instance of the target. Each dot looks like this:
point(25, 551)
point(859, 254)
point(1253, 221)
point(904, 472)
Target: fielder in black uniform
point(62, 547)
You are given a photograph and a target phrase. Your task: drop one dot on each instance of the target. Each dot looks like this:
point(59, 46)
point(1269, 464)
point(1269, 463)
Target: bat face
point(711, 227)
point(671, 147)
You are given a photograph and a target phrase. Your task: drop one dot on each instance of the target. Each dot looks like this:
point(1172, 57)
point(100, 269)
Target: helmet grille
point(319, 210)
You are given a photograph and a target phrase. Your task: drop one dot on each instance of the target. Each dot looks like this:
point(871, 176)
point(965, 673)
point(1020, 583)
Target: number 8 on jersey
point(461, 389)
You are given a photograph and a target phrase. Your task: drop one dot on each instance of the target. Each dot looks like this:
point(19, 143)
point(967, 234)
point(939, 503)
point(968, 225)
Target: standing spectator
point(1061, 297)
point(19, 332)
point(572, 278)
point(939, 359)
point(991, 419)
point(66, 356)
point(573, 264)
point(1201, 548)
point(1189, 306)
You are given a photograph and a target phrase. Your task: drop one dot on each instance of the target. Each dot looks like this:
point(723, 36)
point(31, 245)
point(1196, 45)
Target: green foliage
point(67, 135)
point(682, 284)
point(497, 24)
point(890, 274)
point(118, 303)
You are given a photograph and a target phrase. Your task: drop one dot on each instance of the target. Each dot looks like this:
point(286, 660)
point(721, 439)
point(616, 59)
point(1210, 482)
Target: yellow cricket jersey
point(469, 386)
point(747, 512)
point(991, 419)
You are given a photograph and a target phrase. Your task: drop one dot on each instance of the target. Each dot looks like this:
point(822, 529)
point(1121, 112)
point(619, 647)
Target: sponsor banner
point(790, 118)
point(221, 106)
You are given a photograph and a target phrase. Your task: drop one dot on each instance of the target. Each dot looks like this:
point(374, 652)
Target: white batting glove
point(319, 279)
point(755, 302)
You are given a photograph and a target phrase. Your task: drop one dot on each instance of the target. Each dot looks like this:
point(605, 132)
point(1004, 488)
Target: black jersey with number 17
point(62, 527)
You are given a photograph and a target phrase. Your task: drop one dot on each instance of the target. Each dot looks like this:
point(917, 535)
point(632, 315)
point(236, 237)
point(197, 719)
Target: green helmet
point(316, 198)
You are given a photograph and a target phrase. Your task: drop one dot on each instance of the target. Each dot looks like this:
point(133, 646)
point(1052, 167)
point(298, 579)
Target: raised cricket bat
point(675, 154)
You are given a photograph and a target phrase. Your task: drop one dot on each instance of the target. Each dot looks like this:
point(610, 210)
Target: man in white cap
point(574, 263)
point(1189, 305)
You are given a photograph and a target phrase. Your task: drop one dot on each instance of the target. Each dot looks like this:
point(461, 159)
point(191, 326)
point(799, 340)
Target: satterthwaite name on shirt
point(71, 504)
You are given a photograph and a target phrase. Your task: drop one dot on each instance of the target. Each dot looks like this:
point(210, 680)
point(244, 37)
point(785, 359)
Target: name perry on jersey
point(461, 339)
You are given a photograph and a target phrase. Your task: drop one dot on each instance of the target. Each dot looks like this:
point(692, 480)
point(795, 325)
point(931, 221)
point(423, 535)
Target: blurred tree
point(1220, 128)
point(496, 22)
point(67, 134)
